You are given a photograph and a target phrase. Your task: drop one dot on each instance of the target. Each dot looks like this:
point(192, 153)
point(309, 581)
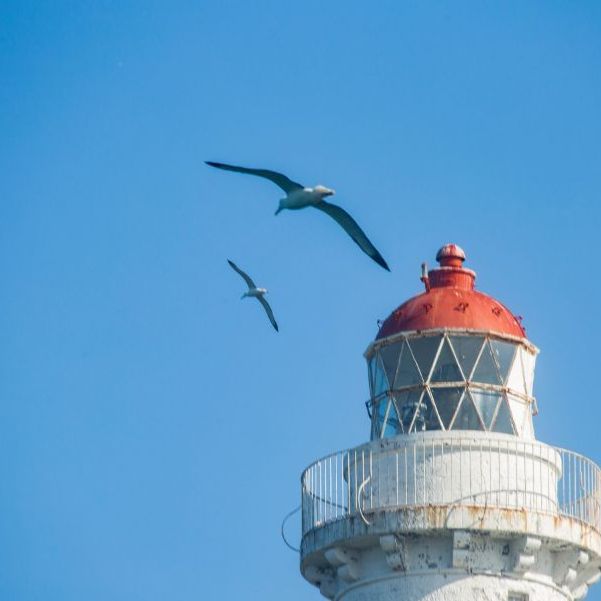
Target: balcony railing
point(457, 471)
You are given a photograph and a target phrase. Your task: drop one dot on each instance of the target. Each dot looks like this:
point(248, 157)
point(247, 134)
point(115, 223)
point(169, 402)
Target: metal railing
point(455, 471)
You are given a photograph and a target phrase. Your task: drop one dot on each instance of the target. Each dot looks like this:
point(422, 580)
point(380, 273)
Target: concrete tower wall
point(448, 467)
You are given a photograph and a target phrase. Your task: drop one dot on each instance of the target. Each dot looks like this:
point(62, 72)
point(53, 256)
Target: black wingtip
point(218, 165)
point(380, 261)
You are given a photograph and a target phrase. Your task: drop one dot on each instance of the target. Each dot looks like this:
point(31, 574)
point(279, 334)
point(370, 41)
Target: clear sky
point(153, 427)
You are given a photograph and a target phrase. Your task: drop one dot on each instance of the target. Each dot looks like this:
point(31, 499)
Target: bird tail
point(280, 208)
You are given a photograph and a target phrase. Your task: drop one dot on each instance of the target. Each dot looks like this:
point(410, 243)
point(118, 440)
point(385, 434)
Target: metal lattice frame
point(510, 388)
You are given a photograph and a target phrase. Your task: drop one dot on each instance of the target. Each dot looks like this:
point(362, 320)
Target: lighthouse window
point(380, 416)
point(447, 401)
point(467, 416)
point(377, 417)
point(450, 382)
point(467, 349)
point(503, 422)
point(380, 380)
point(446, 368)
point(424, 351)
point(407, 373)
point(390, 359)
point(486, 403)
point(406, 404)
point(421, 416)
point(503, 352)
point(426, 417)
point(388, 423)
point(486, 370)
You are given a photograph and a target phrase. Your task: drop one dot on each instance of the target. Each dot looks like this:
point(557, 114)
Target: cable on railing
point(359, 495)
point(288, 516)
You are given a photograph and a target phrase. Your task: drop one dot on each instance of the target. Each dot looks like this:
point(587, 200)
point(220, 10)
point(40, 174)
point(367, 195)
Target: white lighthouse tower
point(453, 498)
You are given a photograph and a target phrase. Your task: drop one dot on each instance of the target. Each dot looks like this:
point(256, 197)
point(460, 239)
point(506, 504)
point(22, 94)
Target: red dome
point(450, 301)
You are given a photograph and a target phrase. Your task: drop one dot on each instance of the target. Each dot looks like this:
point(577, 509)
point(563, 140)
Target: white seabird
point(299, 197)
point(258, 293)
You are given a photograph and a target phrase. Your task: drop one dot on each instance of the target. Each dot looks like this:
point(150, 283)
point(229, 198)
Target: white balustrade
point(441, 469)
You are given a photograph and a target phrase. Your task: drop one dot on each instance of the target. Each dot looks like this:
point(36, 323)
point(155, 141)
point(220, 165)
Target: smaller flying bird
point(258, 293)
point(299, 197)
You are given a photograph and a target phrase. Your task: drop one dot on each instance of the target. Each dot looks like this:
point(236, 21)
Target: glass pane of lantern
point(371, 366)
point(486, 369)
point(380, 380)
point(467, 418)
point(425, 416)
point(407, 373)
point(389, 357)
point(503, 421)
point(486, 403)
point(407, 403)
point(378, 409)
point(467, 348)
point(529, 360)
point(424, 350)
point(446, 368)
point(446, 400)
point(515, 379)
point(391, 424)
point(503, 353)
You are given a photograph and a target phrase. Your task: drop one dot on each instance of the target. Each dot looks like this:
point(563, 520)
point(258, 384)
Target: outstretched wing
point(246, 277)
point(269, 312)
point(279, 179)
point(353, 230)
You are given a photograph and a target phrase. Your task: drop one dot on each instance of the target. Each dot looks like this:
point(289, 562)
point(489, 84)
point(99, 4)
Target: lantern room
point(451, 358)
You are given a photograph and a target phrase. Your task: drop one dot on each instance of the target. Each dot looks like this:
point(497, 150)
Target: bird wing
point(353, 230)
point(246, 277)
point(269, 312)
point(279, 179)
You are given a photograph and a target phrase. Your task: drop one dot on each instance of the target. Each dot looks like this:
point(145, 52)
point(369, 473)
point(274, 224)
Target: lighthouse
point(453, 498)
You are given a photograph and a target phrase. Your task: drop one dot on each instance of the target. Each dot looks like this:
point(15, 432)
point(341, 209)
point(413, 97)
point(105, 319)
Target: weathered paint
point(509, 539)
point(439, 553)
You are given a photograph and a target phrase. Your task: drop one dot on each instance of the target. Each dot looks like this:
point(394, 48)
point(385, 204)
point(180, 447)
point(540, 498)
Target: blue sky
point(153, 427)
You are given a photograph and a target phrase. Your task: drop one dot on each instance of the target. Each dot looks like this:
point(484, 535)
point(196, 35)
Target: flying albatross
point(299, 197)
point(258, 293)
